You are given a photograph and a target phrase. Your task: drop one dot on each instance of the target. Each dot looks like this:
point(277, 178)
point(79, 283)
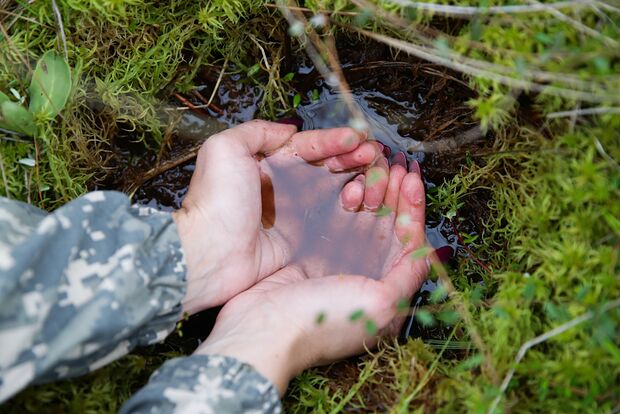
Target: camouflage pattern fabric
point(84, 285)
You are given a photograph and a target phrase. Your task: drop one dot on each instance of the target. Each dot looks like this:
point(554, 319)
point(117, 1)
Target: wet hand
point(289, 321)
point(226, 248)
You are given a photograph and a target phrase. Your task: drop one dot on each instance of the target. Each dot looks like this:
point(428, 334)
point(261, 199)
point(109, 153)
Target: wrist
point(201, 292)
point(275, 357)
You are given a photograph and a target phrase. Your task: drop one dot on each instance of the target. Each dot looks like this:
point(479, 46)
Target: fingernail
point(414, 167)
point(400, 159)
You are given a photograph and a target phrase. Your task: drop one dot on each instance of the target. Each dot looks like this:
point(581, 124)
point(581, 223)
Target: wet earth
point(403, 100)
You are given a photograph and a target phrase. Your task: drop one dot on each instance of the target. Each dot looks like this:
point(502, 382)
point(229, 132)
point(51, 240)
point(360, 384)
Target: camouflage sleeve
point(83, 285)
point(205, 384)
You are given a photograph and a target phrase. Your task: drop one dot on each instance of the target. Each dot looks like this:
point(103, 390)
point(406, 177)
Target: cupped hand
point(227, 250)
point(289, 321)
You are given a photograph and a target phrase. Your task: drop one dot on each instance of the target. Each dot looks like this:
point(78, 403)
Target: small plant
point(49, 90)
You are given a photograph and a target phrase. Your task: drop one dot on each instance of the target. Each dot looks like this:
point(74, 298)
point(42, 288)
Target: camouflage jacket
point(80, 287)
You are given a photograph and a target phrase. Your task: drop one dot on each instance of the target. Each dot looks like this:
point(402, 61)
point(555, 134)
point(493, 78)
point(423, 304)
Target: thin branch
point(472, 11)
point(4, 180)
point(436, 56)
point(447, 145)
point(61, 28)
point(307, 10)
point(544, 337)
point(576, 24)
point(585, 111)
point(604, 154)
point(219, 80)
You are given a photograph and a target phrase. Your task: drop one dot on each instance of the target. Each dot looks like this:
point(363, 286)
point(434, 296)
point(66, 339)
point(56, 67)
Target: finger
point(363, 155)
point(406, 276)
point(352, 194)
point(397, 174)
point(253, 137)
point(410, 211)
point(376, 184)
point(318, 144)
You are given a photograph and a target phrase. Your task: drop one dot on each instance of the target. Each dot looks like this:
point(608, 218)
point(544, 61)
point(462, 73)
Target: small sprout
point(362, 17)
point(16, 94)
point(439, 294)
point(318, 20)
point(45, 187)
point(451, 214)
point(28, 162)
point(383, 211)
point(356, 315)
point(296, 100)
point(359, 124)
point(403, 220)
point(315, 95)
point(425, 317)
point(253, 70)
point(448, 317)
point(472, 362)
point(373, 177)
point(288, 77)
point(421, 252)
point(402, 305)
point(296, 28)
point(371, 327)
point(320, 318)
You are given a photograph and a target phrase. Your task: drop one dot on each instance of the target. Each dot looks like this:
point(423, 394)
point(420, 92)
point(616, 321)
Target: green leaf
point(288, 77)
point(439, 294)
point(253, 70)
point(473, 361)
point(28, 162)
point(15, 117)
point(371, 327)
point(3, 98)
point(320, 318)
point(50, 85)
point(425, 317)
point(356, 315)
point(449, 317)
point(315, 95)
point(296, 100)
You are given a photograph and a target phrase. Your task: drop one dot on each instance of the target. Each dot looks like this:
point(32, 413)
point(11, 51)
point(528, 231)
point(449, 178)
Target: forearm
point(205, 384)
point(82, 286)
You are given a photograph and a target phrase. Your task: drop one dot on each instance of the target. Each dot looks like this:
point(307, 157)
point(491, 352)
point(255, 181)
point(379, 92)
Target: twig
point(307, 10)
point(585, 111)
point(207, 104)
point(217, 83)
point(4, 180)
point(186, 102)
point(435, 56)
point(576, 24)
point(544, 337)
point(471, 11)
point(470, 136)
point(61, 28)
point(604, 154)
point(471, 253)
point(162, 167)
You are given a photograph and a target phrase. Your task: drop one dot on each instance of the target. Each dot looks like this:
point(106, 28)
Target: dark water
point(302, 201)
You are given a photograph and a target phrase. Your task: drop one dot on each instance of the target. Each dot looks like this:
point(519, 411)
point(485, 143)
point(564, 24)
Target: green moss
point(551, 235)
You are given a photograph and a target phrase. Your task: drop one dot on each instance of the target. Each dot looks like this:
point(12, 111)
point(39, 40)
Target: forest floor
point(532, 210)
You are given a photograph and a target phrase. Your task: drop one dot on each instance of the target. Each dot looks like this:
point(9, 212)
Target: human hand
point(225, 246)
point(289, 322)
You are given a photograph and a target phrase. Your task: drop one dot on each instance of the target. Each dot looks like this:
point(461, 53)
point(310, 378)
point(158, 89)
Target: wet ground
point(403, 100)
